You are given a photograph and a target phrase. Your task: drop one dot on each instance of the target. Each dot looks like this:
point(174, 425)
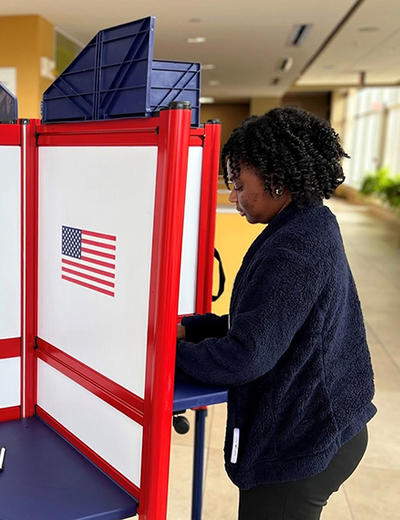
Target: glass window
point(371, 114)
point(391, 158)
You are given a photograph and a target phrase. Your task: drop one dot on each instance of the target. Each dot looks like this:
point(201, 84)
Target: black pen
point(2, 455)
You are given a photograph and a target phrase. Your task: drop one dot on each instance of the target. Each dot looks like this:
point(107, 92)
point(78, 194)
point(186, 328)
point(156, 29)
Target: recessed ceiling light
point(214, 82)
point(368, 29)
point(299, 34)
point(208, 66)
point(286, 64)
point(207, 100)
point(197, 39)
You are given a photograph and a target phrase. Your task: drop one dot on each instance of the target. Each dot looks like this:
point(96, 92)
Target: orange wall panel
point(23, 40)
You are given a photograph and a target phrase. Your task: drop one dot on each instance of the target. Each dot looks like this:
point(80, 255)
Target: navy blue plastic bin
point(127, 81)
point(8, 105)
point(124, 66)
point(176, 81)
point(72, 96)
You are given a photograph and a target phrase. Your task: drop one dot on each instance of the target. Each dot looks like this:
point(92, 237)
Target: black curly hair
point(301, 151)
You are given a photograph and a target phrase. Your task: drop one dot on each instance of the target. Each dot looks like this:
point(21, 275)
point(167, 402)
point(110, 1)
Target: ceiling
point(368, 42)
point(248, 40)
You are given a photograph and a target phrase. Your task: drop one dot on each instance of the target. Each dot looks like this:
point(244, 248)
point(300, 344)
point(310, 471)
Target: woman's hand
point(181, 332)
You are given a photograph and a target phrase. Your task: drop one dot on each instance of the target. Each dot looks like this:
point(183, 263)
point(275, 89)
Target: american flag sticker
point(88, 259)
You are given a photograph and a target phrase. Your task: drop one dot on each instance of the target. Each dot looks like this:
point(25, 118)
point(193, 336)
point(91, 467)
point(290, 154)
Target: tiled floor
point(373, 492)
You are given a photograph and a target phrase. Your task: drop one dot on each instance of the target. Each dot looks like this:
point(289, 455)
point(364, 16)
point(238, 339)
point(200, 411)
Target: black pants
point(303, 499)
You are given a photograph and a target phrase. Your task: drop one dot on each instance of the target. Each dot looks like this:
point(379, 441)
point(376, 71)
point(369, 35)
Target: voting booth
point(108, 239)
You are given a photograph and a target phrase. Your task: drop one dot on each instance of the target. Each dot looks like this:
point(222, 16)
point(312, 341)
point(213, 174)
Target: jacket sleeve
point(201, 326)
point(273, 306)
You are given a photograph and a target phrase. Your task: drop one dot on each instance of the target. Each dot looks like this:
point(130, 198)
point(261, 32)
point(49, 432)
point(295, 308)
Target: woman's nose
point(233, 196)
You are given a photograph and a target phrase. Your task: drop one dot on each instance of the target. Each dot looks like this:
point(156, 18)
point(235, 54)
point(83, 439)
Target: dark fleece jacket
point(295, 356)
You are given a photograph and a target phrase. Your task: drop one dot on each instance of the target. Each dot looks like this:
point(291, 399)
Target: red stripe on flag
point(98, 244)
point(88, 277)
point(88, 268)
point(97, 262)
point(68, 279)
point(98, 235)
point(93, 252)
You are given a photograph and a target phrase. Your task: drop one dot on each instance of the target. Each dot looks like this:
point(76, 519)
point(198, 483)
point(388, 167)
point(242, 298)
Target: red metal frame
point(137, 132)
point(30, 272)
point(107, 140)
point(89, 453)
point(10, 135)
point(101, 386)
point(10, 348)
point(98, 127)
point(208, 207)
point(128, 139)
point(163, 308)
point(10, 414)
point(22, 135)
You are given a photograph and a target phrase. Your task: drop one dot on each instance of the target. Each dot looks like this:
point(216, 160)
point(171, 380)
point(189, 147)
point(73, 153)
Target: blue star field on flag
point(71, 242)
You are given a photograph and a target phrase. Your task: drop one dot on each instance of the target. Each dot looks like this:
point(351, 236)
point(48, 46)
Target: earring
point(278, 191)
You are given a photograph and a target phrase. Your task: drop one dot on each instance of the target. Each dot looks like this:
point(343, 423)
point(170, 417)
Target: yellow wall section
point(234, 235)
point(23, 40)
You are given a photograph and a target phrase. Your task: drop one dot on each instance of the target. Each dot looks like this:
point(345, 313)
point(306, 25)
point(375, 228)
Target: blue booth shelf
point(189, 395)
point(45, 478)
point(8, 105)
point(116, 77)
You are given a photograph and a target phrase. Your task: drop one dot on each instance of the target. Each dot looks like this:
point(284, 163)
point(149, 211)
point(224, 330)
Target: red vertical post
point(208, 206)
point(174, 133)
point(29, 264)
point(10, 135)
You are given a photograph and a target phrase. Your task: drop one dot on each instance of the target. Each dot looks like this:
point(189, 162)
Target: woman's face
point(251, 199)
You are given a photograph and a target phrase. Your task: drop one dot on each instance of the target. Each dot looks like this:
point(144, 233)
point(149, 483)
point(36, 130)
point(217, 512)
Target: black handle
point(221, 276)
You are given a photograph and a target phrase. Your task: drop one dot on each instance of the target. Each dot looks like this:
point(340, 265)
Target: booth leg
point(198, 462)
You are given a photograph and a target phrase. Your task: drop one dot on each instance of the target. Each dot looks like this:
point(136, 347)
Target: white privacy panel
point(10, 382)
point(10, 232)
point(110, 433)
point(190, 244)
point(97, 203)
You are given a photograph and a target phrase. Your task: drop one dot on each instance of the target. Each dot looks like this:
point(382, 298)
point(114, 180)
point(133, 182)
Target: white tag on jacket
point(235, 445)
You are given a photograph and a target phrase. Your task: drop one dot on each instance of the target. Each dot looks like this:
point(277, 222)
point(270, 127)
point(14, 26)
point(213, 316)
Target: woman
point(293, 350)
